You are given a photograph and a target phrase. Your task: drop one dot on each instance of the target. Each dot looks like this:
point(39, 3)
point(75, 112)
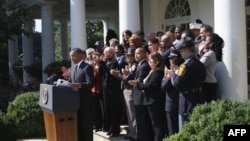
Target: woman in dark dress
point(153, 100)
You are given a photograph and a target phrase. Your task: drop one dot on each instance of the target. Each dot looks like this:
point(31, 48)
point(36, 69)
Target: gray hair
point(90, 50)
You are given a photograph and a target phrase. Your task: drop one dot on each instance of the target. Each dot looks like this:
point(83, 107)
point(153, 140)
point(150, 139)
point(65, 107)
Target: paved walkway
point(98, 136)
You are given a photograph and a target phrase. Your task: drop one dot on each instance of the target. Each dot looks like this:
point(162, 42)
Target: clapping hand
point(125, 70)
point(115, 72)
point(168, 73)
point(65, 72)
point(133, 82)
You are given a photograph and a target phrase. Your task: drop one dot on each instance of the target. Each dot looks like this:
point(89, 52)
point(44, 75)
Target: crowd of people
point(151, 84)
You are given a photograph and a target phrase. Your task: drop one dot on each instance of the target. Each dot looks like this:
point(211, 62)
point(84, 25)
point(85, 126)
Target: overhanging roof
point(94, 8)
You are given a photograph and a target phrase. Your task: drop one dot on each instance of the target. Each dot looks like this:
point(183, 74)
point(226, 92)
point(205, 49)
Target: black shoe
point(114, 134)
point(127, 137)
point(104, 129)
point(98, 129)
point(109, 133)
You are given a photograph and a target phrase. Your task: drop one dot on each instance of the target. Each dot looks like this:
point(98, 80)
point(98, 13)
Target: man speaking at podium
point(82, 80)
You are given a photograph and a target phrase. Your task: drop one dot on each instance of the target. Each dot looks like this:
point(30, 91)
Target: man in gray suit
point(82, 80)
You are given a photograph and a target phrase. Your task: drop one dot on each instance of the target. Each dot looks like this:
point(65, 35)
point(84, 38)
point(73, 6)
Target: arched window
point(177, 13)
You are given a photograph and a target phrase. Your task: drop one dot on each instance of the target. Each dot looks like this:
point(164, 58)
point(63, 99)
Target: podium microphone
point(51, 79)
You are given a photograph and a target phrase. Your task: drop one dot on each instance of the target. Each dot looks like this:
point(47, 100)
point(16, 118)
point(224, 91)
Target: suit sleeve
point(143, 72)
point(89, 77)
point(154, 81)
point(166, 84)
point(107, 69)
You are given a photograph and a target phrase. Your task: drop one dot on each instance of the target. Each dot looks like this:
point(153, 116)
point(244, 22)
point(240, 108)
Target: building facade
point(229, 18)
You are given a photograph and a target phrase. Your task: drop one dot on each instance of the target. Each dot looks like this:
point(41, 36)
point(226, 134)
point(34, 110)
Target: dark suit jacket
point(150, 115)
point(142, 71)
point(85, 76)
point(110, 83)
point(152, 88)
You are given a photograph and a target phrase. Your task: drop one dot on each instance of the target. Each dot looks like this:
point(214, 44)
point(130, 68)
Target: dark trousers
point(187, 102)
point(98, 112)
point(156, 120)
point(172, 122)
point(149, 120)
point(144, 132)
point(84, 118)
point(112, 110)
point(210, 91)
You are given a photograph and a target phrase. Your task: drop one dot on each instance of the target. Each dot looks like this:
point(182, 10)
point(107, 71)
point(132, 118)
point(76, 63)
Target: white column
point(28, 51)
point(48, 48)
point(105, 30)
point(13, 58)
point(129, 15)
point(230, 24)
point(78, 24)
point(64, 40)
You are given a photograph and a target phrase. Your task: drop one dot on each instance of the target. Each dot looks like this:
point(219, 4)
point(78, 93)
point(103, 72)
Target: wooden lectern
point(59, 105)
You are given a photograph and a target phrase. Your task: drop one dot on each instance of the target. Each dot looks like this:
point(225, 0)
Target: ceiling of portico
point(95, 9)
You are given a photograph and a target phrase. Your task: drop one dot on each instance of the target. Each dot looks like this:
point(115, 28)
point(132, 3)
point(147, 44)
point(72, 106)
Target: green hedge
point(24, 119)
point(6, 128)
point(26, 115)
point(207, 121)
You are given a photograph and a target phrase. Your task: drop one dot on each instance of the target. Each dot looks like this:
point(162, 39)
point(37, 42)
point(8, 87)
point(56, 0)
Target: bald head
point(141, 50)
point(140, 54)
point(167, 40)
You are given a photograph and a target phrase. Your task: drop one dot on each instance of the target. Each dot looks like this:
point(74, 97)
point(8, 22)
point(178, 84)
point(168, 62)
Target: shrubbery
point(207, 121)
point(24, 119)
point(24, 116)
point(6, 129)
